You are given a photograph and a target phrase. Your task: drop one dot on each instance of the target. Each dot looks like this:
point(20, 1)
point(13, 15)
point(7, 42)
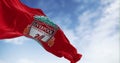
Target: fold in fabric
point(16, 16)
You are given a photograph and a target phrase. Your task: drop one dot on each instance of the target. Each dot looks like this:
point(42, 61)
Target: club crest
point(42, 29)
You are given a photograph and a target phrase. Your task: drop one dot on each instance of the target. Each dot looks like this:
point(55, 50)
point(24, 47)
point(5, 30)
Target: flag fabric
point(17, 19)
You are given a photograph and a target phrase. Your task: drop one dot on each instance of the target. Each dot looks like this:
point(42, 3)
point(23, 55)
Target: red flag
point(17, 19)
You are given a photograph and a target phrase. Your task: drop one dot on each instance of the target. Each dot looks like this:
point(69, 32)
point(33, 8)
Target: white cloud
point(71, 35)
point(17, 41)
point(62, 19)
point(25, 61)
point(43, 59)
point(2, 61)
point(100, 43)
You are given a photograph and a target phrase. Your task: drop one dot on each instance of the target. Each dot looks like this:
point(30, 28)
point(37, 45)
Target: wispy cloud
point(97, 34)
point(17, 41)
point(37, 60)
point(2, 61)
point(25, 61)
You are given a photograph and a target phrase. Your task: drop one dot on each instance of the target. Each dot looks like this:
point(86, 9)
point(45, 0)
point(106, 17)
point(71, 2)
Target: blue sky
point(90, 25)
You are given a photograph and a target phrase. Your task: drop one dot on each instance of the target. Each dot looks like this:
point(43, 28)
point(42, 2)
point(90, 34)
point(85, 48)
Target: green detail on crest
point(45, 20)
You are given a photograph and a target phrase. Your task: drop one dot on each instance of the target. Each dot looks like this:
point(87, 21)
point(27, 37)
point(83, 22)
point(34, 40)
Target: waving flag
point(17, 19)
